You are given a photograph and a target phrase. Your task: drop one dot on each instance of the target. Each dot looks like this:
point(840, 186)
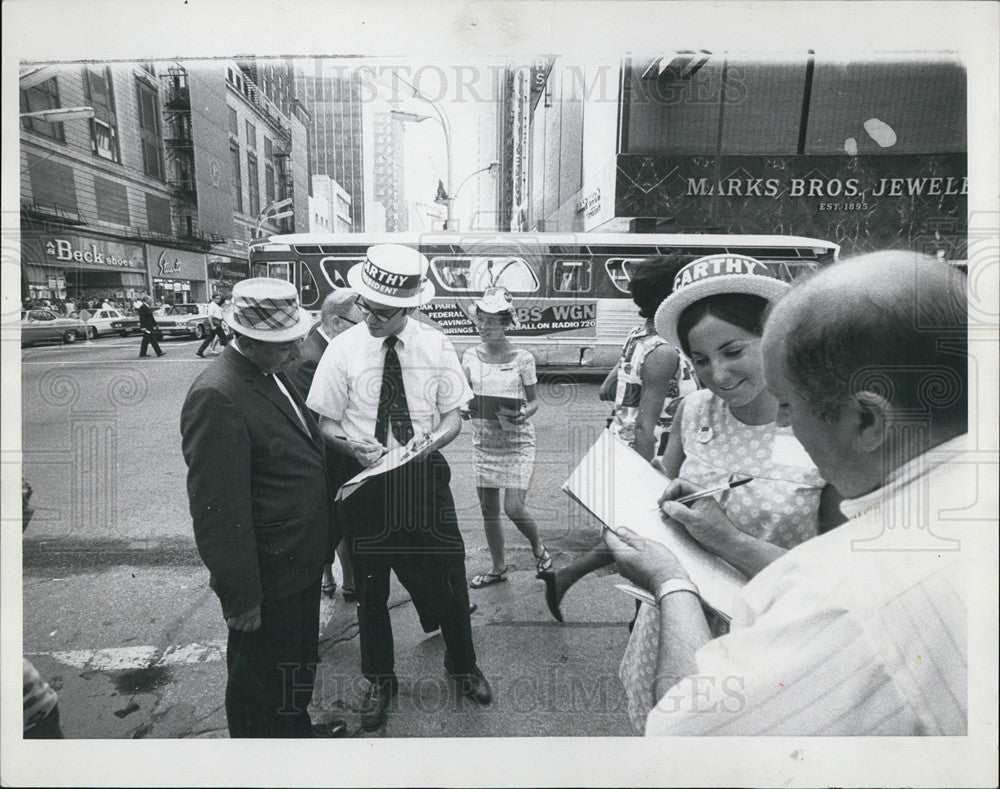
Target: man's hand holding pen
point(701, 515)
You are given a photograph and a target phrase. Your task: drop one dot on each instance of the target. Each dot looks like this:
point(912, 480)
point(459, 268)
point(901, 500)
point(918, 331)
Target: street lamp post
point(266, 214)
point(413, 117)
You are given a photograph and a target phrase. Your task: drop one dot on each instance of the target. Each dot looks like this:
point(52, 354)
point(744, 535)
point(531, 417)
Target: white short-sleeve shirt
point(348, 378)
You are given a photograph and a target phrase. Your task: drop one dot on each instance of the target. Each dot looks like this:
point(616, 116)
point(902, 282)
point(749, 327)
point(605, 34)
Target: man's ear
point(872, 411)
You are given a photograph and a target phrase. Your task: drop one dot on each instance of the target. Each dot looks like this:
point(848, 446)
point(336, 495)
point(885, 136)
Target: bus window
point(571, 276)
point(475, 274)
point(280, 270)
point(308, 289)
point(332, 268)
point(618, 271)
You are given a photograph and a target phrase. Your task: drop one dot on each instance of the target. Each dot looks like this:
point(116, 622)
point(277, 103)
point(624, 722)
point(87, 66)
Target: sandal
point(488, 579)
point(543, 562)
point(551, 600)
point(329, 588)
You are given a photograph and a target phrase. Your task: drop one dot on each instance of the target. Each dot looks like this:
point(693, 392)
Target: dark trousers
point(149, 338)
point(272, 670)
point(216, 332)
point(405, 522)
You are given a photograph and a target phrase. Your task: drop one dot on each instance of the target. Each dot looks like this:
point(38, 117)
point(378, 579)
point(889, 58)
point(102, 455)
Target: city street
point(119, 618)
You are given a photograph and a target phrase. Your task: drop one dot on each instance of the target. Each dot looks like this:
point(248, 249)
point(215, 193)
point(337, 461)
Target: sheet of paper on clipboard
point(394, 458)
point(621, 489)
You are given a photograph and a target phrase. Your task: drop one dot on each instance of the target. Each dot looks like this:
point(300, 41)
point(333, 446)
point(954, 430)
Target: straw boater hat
point(393, 275)
point(267, 309)
point(712, 275)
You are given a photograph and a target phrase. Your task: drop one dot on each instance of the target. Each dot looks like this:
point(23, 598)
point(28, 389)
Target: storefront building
point(224, 272)
point(177, 276)
point(715, 143)
point(78, 267)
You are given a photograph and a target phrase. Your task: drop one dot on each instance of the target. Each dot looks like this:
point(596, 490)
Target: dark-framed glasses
point(381, 315)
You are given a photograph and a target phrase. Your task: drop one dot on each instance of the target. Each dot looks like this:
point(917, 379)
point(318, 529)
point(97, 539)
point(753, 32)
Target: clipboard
point(393, 459)
point(618, 486)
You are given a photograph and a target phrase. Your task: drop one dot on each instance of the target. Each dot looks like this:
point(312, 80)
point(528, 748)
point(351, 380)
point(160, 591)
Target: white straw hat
point(267, 309)
point(709, 276)
point(393, 275)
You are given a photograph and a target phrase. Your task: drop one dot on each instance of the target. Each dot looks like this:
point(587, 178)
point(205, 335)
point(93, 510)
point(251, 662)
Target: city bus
point(570, 291)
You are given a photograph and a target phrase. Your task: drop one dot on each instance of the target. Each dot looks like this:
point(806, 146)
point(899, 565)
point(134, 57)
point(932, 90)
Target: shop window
point(158, 214)
point(571, 276)
point(251, 135)
point(99, 90)
point(150, 130)
point(234, 151)
point(112, 201)
point(43, 96)
point(52, 184)
point(234, 123)
point(253, 181)
point(268, 183)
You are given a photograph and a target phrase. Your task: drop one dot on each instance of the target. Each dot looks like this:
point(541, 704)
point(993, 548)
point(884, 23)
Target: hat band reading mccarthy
point(390, 283)
point(265, 314)
point(719, 266)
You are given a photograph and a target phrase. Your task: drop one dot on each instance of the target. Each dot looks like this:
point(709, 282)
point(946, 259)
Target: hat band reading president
point(265, 314)
point(389, 283)
point(719, 266)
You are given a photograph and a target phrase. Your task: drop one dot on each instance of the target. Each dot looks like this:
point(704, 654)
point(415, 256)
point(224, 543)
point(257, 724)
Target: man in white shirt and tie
point(396, 381)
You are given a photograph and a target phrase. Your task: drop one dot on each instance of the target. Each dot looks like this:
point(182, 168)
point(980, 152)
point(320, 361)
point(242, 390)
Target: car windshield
point(183, 309)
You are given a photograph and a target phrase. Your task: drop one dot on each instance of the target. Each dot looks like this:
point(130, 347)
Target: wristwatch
point(675, 585)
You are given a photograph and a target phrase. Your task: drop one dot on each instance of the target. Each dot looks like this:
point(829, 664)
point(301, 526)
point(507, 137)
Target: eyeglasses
point(382, 316)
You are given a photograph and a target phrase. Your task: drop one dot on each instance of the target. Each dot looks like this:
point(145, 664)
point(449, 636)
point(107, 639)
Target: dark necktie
point(392, 408)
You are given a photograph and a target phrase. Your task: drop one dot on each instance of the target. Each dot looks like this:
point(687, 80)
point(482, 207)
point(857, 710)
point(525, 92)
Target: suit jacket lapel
point(269, 389)
point(314, 433)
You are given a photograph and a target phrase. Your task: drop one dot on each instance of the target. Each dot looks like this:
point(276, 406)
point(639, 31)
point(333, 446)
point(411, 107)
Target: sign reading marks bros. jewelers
point(863, 202)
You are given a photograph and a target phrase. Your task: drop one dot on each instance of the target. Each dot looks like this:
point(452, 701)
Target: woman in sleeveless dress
point(503, 442)
point(646, 385)
point(729, 430)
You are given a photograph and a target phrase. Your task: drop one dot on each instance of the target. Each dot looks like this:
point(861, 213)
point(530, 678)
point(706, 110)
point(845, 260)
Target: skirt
point(503, 458)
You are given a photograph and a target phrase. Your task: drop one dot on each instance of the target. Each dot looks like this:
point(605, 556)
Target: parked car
point(46, 325)
point(103, 322)
point(184, 320)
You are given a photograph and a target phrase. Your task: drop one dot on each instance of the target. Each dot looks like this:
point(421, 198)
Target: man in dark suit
point(148, 327)
point(260, 499)
point(339, 312)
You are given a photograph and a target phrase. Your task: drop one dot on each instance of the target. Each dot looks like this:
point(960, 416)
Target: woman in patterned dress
point(728, 429)
point(504, 382)
point(646, 386)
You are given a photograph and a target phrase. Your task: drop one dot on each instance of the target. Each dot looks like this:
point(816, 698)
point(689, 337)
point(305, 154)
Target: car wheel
point(70, 336)
point(199, 332)
point(92, 332)
point(122, 333)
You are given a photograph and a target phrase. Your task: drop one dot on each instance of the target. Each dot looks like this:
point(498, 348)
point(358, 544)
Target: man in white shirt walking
point(860, 631)
point(392, 382)
point(216, 332)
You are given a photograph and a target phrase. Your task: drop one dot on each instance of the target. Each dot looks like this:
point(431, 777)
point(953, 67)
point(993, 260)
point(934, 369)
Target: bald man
point(338, 313)
point(860, 631)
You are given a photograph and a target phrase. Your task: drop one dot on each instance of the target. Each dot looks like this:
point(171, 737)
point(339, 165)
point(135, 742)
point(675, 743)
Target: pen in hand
point(702, 494)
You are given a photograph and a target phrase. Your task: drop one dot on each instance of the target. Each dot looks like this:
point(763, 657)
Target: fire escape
point(180, 155)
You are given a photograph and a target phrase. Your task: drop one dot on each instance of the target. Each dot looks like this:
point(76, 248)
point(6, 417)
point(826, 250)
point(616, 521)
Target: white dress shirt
point(348, 378)
point(860, 631)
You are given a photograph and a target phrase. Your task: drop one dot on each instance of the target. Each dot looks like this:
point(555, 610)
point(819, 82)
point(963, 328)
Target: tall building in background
point(333, 95)
point(709, 143)
point(161, 190)
point(389, 165)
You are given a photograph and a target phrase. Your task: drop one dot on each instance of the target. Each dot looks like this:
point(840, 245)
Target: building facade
point(333, 99)
point(330, 207)
point(701, 142)
point(388, 169)
point(155, 193)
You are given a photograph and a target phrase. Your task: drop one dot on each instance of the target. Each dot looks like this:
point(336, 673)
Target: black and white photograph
point(521, 394)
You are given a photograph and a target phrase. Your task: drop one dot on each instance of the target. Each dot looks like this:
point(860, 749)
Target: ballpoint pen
point(701, 494)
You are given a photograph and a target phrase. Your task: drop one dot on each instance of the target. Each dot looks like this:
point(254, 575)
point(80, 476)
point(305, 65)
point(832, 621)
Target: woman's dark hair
point(740, 309)
point(505, 316)
point(651, 281)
